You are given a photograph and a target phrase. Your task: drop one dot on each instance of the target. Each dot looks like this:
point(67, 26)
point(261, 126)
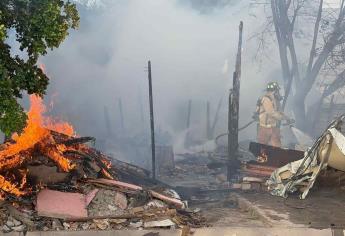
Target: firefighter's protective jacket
point(268, 110)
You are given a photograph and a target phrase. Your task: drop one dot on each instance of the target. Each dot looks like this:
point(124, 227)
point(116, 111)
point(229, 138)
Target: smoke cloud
point(192, 46)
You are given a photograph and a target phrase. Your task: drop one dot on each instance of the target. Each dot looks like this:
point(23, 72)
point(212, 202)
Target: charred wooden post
point(216, 117)
point(121, 116)
point(189, 110)
point(229, 172)
point(208, 125)
point(107, 122)
point(234, 99)
point(152, 123)
point(189, 113)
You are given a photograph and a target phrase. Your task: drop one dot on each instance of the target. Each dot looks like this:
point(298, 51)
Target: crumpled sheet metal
point(337, 160)
point(328, 150)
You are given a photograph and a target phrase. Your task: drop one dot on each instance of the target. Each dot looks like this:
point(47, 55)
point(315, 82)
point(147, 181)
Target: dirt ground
point(323, 208)
point(226, 213)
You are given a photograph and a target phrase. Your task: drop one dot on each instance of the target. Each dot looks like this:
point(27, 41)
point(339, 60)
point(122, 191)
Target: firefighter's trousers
point(269, 136)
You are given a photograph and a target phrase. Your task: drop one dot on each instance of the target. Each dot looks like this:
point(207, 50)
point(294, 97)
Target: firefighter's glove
point(290, 121)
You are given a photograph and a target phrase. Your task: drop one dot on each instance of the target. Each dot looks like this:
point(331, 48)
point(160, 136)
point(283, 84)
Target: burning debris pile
point(51, 180)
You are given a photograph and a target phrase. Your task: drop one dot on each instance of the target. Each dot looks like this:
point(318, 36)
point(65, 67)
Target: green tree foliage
point(39, 25)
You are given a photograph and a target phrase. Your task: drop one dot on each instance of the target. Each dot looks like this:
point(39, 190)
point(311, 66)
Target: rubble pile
point(63, 184)
point(196, 171)
point(52, 180)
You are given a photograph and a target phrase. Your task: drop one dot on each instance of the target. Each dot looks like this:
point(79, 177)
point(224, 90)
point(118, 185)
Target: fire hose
point(289, 123)
point(240, 129)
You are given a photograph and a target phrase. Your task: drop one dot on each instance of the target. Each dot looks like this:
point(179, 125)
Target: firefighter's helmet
point(273, 86)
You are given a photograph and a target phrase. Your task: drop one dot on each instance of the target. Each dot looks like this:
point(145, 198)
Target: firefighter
point(269, 116)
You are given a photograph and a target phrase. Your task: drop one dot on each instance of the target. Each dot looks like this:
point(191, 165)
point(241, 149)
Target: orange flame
point(36, 129)
point(9, 187)
point(49, 122)
point(61, 127)
point(35, 134)
point(32, 133)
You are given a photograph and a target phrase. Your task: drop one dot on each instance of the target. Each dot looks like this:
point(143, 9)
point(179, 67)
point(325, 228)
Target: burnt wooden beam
point(234, 105)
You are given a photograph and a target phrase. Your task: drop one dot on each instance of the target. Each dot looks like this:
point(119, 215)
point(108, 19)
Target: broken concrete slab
point(108, 202)
point(61, 205)
point(120, 200)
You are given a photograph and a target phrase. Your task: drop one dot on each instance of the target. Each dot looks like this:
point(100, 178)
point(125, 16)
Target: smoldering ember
point(183, 117)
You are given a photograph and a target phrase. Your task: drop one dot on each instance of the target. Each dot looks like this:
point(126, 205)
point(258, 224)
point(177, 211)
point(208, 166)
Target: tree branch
point(294, 17)
point(338, 83)
point(316, 30)
point(288, 3)
point(331, 43)
point(341, 11)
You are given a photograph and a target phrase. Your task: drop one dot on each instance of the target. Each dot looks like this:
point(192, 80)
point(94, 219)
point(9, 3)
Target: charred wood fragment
point(80, 140)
